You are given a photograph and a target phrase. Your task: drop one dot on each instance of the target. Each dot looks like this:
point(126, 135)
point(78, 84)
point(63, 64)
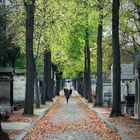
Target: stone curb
point(111, 126)
point(22, 135)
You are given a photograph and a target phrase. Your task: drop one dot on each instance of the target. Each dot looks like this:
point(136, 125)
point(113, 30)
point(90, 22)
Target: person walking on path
point(67, 93)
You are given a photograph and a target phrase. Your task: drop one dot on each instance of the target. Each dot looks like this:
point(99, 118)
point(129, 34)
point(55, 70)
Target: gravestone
point(19, 85)
point(107, 93)
point(5, 87)
point(6, 90)
point(93, 86)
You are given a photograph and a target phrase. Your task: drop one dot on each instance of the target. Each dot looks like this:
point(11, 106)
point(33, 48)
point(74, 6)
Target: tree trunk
point(81, 86)
point(74, 84)
point(44, 79)
point(87, 66)
point(53, 82)
point(99, 91)
point(37, 98)
point(77, 84)
point(3, 18)
point(85, 73)
point(48, 78)
point(89, 97)
point(29, 96)
point(62, 83)
point(47, 75)
point(80, 90)
point(41, 91)
point(116, 104)
point(58, 83)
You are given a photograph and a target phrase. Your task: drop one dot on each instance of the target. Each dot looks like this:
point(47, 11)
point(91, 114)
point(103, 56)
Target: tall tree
point(3, 135)
point(99, 92)
point(88, 76)
point(48, 76)
point(87, 60)
point(52, 81)
point(116, 104)
point(85, 69)
point(29, 96)
point(36, 89)
point(44, 79)
point(58, 82)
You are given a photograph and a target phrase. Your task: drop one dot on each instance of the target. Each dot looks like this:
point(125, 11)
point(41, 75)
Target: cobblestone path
point(71, 121)
point(70, 114)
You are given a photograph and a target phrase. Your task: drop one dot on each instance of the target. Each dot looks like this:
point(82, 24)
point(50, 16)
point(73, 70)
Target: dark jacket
point(67, 93)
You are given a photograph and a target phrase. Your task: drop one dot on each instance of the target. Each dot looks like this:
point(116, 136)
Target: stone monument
point(6, 90)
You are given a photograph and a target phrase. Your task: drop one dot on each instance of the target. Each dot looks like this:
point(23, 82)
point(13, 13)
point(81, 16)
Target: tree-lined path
point(82, 42)
point(71, 121)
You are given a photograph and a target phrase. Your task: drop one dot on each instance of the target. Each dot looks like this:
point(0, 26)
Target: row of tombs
point(130, 88)
point(13, 89)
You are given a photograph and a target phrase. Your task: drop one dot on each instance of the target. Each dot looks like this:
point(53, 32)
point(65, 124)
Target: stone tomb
point(107, 93)
point(127, 88)
point(93, 86)
point(19, 85)
point(6, 90)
